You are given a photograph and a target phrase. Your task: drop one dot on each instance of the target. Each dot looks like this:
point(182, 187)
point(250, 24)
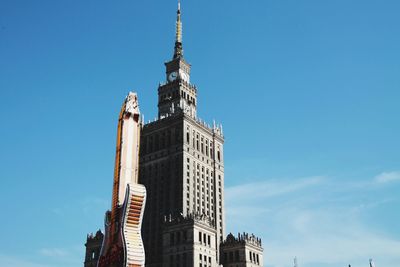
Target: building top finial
point(178, 51)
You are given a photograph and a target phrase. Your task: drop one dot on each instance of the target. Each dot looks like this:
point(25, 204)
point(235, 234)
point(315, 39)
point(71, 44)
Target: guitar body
point(125, 247)
point(132, 224)
point(122, 244)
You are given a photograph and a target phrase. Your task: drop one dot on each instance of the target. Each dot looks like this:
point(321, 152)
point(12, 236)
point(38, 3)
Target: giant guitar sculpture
point(122, 245)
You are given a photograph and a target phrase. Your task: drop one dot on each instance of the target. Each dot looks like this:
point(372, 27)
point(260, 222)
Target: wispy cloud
point(46, 257)
point(272, 188)
point(6, 260)
point(61, 256)
point(387, 177)
point(322, 222)
point(53, 252)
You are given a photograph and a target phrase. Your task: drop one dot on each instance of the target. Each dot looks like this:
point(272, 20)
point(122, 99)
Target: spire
point(178, 51)
point(178, 24)
point(371, 263)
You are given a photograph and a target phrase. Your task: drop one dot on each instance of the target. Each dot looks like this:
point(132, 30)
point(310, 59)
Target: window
point(199, 236)
point(184, 259)
point(251, 258)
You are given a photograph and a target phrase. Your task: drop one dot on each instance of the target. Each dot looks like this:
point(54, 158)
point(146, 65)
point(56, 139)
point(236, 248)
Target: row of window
point(174, 94)
point(181, 260)
point(166, 138)
point(233, 257)
point(176, 238)
point(178, 260)
point(254, 257)
point(160, 140)
point(204, 239)
point(188, 97)
point(202, 144)
point(203, 191)
point(204, 260)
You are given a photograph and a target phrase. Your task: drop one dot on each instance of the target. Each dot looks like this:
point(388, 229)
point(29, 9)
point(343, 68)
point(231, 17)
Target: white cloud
point(53, 252)
point(6, 260)
point(44, 258)
point(271, 188)
point(320, 221)
point(386, 177)
point(324, 236)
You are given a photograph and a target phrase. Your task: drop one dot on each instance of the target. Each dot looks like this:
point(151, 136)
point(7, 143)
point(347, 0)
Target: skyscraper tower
point(182, 168)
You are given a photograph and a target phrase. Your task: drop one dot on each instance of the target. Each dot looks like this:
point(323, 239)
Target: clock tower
point(182, 168)
point(177, 94)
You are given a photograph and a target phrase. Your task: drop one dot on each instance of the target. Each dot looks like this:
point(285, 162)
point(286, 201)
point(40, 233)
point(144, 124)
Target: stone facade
point(242, 251)
point(93, 247)
point(181, 165)
point(189, 241)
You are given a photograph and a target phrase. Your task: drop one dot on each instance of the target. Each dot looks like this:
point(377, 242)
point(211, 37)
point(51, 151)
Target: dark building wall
point(93, 247)
point(160, 172)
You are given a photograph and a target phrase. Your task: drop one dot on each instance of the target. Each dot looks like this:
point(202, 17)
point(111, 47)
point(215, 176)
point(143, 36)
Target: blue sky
point(308, 93)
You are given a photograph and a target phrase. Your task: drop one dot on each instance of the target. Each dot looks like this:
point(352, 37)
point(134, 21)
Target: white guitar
point(122, 244)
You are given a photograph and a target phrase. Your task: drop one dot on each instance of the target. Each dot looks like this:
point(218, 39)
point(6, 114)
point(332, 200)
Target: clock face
point(172, 76)
point(187, 109)
point(184, 76)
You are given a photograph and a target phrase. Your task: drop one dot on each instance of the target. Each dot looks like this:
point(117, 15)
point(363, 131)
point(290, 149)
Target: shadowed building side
point(242, 251)
point(93, 247)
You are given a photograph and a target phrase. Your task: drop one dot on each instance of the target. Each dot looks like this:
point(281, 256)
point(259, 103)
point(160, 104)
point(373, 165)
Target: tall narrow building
point(182, 168)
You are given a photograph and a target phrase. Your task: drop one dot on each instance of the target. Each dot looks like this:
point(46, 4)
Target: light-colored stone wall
point(194, 247)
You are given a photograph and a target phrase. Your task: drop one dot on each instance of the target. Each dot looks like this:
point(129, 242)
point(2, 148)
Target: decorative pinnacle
point(178, 51)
